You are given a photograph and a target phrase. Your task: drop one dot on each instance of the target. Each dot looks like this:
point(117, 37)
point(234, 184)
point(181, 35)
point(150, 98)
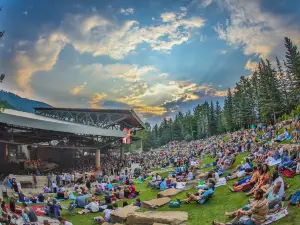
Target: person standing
point(73, 178)
point(49, 178)
point(34, 179)
point(63, 178)
point(58, 180)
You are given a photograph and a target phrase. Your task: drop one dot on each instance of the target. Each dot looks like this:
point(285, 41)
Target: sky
point(157, 57)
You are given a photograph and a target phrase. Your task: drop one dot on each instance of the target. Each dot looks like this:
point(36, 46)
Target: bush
point(188, 137)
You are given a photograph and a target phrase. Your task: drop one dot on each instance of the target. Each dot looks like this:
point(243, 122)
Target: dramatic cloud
point(130, 73)
point(159, 95)
point(127, 11)
point(127, 72)
point(151, 110)
point(78, 89)
point(99, 36)
point(42, 56)
point(96, 100)
point(255, 30)
point(250, 65)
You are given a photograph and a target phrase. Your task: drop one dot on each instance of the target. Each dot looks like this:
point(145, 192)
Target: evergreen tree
point(292, 64)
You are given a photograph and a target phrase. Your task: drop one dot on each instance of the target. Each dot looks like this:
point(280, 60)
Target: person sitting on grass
point(200, 195)
point(257, 212)
point(276, 180)
point(41, 197)
point(92, 206)
point(4, 217)
point(107, 215)
point(26, 219)
point(163, 185)
point(263, 179)
point(31, 213)
point(98, 190)
point(137, 203)
point(249, 183)
point(274, 198)
point(107, 198)
point(21, 196)
point(171, 182)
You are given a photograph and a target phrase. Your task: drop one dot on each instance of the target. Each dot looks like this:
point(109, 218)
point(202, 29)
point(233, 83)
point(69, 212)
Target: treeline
point(270, 92)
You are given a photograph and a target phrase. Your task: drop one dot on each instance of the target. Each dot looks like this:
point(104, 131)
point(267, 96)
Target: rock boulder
point(150, 217)
point(120, 215)
point(168, 193)
point(154, 203)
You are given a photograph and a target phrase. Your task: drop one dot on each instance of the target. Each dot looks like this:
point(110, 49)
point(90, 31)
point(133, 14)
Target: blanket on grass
point(39, 210)
point(222, 181)
point(181, 186)
point(272, 217)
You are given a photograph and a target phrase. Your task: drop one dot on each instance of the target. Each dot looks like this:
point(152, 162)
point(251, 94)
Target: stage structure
point(65, 128)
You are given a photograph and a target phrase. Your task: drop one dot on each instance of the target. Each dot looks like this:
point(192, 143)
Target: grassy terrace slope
point(214, 209)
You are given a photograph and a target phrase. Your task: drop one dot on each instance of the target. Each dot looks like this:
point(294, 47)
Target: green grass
point(222, 201)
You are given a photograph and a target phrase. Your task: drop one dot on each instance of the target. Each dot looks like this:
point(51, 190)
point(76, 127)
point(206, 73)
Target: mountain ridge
point(11, 100)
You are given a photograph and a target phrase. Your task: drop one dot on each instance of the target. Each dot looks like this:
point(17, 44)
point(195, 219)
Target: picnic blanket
point(181, 186)
point(287, 173)
point(276, 216)
point(272, 217)
point(39, 210)
point(222, 181)
point(272, 161)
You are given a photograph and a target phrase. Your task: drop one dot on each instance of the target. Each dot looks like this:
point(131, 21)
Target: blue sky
point(157, 57)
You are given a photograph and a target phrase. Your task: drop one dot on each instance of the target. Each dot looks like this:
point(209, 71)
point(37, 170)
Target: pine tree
point(228, 111)
point(219, 126)
point(285, 84)
point(292, 64)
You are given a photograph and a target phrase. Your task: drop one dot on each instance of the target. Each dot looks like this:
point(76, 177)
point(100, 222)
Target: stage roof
point(129, 118)
point(29, 120)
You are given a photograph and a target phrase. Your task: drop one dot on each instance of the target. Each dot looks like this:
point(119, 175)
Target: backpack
point(175, 204)
point(295, 199)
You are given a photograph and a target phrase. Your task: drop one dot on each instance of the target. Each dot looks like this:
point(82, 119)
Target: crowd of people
point(116, 181)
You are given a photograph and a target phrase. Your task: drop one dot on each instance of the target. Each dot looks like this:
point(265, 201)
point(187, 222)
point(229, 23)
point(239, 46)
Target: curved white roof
point(23, 119)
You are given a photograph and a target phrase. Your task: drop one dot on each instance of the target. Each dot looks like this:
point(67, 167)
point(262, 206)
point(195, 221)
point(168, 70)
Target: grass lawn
point(222, 201)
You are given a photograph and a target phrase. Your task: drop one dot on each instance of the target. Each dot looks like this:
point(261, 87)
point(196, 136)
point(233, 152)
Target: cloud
point(127, 12)
point(151, 110)
point(223, 52)
point(78, 89)
point(25, 13)
point(96, 100)
point(206, 3)
point(127, 72)
point(162, 94)
point(42, 57)
point(256, 31)
point(250, 65)
point(130, 73)
point(163, 75)
point(220, 93)
point(97, 35)
point(169, 17)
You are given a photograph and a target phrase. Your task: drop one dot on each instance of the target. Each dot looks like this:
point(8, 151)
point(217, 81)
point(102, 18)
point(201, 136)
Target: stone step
point(120, 215)
point(168, 193)
point(151, 217)
point(154, 203)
